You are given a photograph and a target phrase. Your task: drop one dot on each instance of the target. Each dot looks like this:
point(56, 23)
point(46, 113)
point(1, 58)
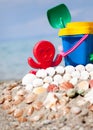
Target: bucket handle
point(75, 46)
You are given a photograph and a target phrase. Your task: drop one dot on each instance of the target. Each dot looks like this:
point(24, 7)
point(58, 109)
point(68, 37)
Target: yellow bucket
point(75, 28)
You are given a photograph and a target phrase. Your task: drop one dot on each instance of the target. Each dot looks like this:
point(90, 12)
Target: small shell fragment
point(48, 79)
point(38, 105)
point(84, 75)
point(39, 90)
point(29, 110)
point(18, 113)
point(91, 83)
point(17, 99)
point(52, 88)
point(83, 85)
point(30, 98)
point(66, 86)
point(75, 110)
point(2, 100)
point(80, 68)
point(71, 93)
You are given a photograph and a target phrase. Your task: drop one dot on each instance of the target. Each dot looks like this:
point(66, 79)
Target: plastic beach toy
point(59, 16)
point(44, 52)
point(72, 36)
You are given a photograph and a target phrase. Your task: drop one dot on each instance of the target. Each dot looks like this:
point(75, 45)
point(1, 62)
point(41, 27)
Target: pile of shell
point(49, 91)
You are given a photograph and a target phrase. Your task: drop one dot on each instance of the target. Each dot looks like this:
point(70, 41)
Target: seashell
point(37, 82)
point(84, 75)
point(91, 75)
point(66, 110)
point(17, 99)
point(66, 77)
point(71, 93)
point(74, 80)
point(45, 85)
point(89, 67)
point(11, 86)
point(38, 105)
point(69, 69)
point(52, 88)
point(81, 102)
point(22, 119)
point(50, 71)
point(37, 118)
point(30, 98)
point(18, 112)
point(11, 110)
point(75, 74)
point(80, 68)
point(8, 97)
point(89, 96)
point(29, 87)
point(91, 83)
point(30, 110)
point(6, 105)
point(7, 92)
point(28, 78)
point(48, 79)
point(83, 85)
point(2, 99)
point(50, 104)
point(59, 69)
point(66, 86)
point(58, 78)
point(75, 110)
point(90, 107)
point(41, 73)
point(39, 90)
point(21, 92)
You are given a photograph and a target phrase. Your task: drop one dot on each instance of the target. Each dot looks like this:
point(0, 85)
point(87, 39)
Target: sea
point(14, 55)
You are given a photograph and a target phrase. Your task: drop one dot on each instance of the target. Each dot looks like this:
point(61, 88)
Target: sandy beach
point(75, 114)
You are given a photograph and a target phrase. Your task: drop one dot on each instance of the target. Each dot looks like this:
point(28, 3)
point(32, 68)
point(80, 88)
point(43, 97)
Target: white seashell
point(48, 79)
point(89, 96)
point(74, 80)
point(69, 69)
point(45, 85)
point(80, 68)
point(58, 78)
point(28, 78)
point(84, 75)
point(91, 75)
point(75, 110)
point(89, 67)
point(55, 83)
point(75, 74)
point(29, 87)
point(50, 71)
point(59, 69)
point(41, 73)
point(67, 77)
point(50, 101)
point(37, 117)
point(37, 82)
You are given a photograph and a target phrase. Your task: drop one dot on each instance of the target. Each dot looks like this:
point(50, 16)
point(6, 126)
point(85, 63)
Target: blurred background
point(23, 23)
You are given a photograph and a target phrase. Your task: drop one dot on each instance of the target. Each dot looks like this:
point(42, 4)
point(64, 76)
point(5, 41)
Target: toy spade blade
point(59, 16)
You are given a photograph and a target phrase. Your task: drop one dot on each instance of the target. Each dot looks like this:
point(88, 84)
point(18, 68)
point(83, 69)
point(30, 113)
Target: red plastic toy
point(44, 52)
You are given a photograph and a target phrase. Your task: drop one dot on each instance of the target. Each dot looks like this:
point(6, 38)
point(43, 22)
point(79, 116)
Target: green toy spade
point(59, 16)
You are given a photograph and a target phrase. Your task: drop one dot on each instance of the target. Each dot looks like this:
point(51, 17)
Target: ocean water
point(13, 57)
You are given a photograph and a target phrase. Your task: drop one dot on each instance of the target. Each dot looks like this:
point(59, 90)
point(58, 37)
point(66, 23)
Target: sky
point(28, 18)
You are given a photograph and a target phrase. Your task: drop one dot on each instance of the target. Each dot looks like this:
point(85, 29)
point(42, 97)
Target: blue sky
point(27, 18)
